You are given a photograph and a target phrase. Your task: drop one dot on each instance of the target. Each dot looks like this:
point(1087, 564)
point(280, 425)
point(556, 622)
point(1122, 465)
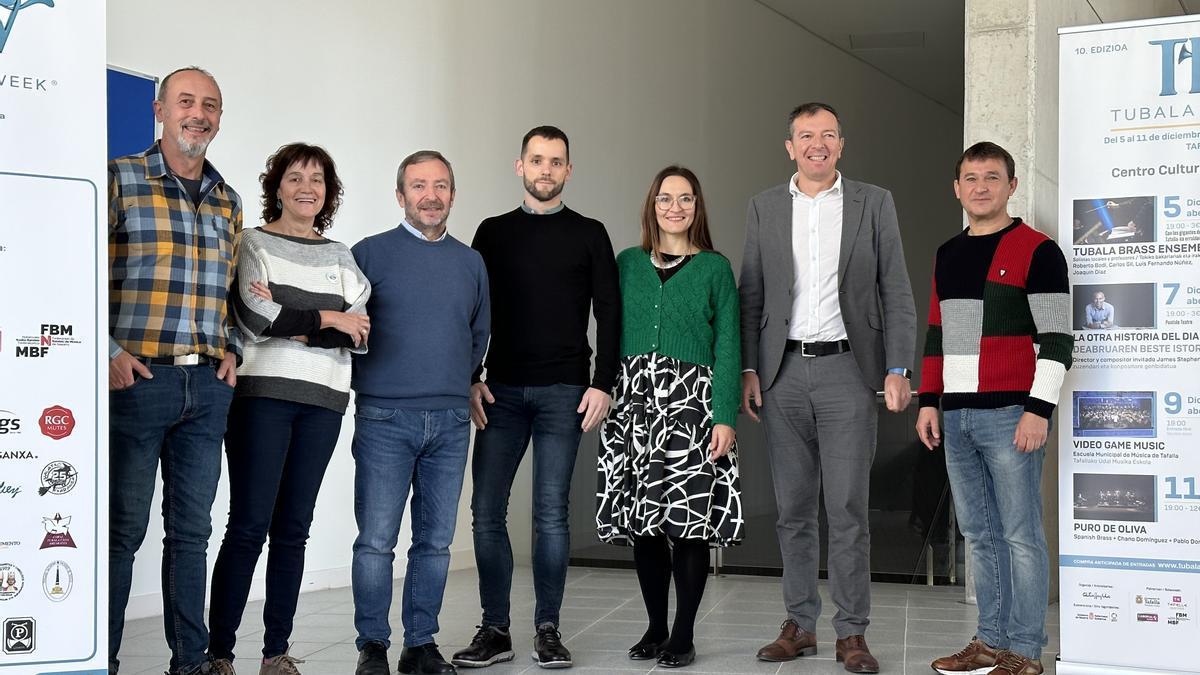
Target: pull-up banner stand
point(53, 318)
point(1129, 206)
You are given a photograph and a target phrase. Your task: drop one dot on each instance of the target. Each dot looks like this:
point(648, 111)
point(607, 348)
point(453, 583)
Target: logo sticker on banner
point(14, 7)
point(57, 581)
point(57, 422)
point(19, 635)
point(57, 535)
point(11, 581)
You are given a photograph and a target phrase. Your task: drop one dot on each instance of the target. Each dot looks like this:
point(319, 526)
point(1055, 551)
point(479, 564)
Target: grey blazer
point(873, 288)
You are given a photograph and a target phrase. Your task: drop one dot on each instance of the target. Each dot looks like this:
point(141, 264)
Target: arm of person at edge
point(606, 308)
point(750, 290)
point(227, 370)
point(481, 329)
point(899, 310)
point(725, 376)
point(122, 366)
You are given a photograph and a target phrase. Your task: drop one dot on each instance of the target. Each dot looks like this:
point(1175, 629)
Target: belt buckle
point(804, 351)
point(187, 360)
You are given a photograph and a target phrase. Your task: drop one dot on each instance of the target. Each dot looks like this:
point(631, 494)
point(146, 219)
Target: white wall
point(636, 84)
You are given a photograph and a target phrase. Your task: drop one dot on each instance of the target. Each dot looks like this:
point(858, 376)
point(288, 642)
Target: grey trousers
point(821, 419)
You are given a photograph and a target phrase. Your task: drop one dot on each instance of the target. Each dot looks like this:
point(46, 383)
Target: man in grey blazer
point(827, 320)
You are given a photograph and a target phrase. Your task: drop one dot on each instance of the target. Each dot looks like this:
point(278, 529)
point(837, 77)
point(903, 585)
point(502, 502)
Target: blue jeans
point(277, 452)
point(394, 450)
point(547, 415)
point(175, 420)
point(998, 500)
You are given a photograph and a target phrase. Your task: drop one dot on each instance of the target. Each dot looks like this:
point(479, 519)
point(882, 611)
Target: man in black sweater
point(546, 265)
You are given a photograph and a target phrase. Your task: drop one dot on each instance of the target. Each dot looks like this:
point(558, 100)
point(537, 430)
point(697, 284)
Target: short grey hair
point(419, 157)
point(162, 86)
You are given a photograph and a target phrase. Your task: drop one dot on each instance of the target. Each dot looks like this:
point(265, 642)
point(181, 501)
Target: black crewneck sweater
point(544, 272)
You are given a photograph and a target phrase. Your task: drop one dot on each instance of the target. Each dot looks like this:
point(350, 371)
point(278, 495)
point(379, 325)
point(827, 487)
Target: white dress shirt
point(816, 249)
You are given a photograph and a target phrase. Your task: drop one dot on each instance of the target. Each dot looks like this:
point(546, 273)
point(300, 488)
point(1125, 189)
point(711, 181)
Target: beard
point(426, 222)
point(192, 150)
point(542, 195)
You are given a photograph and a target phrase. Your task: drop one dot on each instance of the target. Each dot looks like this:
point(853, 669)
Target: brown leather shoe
point(854, 654)
point(975, 659)
point(1012, 663)
point(793, 641)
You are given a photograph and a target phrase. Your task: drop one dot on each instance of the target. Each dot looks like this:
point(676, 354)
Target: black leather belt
point(185, 360)
point(811, 349)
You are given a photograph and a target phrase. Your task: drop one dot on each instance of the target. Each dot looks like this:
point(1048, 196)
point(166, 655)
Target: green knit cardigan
point(692, 317)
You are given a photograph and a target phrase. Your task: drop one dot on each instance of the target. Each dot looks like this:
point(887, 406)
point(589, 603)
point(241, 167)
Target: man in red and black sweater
point(997, 351)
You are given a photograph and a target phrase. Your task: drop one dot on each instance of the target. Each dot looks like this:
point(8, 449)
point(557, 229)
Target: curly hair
point(302, 154)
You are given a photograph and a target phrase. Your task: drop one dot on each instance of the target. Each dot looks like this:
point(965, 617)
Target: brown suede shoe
point(792, 642)
point(855, 655)
point(1012, 663)
point(975, 659)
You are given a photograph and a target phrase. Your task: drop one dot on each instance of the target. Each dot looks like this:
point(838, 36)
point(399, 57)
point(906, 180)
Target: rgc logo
point(57, 422)
point(14, 7)
point(1175, 52)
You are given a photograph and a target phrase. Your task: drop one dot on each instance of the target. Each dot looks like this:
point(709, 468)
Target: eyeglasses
point(685, 202)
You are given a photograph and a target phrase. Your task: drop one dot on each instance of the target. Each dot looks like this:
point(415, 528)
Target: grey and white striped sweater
point(305, 276)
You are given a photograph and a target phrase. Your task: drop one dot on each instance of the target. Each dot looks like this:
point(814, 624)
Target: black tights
point(655, 565)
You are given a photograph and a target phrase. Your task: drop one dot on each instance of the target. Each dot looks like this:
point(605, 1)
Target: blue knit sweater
point(430, 318)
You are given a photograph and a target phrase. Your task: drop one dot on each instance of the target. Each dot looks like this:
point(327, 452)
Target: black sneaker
point(373, 660)
point(424, 659)
point(548, 649)
point(490, 645)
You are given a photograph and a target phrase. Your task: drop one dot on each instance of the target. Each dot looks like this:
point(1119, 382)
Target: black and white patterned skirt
point(654, 474)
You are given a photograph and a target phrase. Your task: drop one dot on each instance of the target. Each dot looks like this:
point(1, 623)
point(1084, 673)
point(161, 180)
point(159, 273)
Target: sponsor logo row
point(56, 422)
point(57, 581)
point(56, 478)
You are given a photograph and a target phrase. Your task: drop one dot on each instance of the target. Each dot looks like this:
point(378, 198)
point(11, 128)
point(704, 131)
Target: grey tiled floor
point(603, 615)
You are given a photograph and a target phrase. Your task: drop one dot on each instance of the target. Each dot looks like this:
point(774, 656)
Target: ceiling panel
point(929, 33)
point(1111, 11)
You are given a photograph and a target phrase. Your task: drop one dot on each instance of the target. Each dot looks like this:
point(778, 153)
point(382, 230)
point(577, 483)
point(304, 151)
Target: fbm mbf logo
point(1176, 51)
point(14, 7)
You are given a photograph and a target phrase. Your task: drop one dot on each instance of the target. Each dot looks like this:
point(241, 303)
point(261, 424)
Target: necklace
point(655, 260)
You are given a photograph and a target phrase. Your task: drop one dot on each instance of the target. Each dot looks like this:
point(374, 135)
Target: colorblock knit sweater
point(692, 317)
point(305, 276)
point(999, 322)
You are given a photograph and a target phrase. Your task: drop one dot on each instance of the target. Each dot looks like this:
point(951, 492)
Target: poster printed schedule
point(1129, 208)
point(48, 428)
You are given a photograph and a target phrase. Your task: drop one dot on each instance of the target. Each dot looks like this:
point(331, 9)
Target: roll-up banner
point(1129, 207)
point(53, 317)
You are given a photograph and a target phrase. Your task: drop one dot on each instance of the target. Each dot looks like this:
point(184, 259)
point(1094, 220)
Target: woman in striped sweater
point(300, 303)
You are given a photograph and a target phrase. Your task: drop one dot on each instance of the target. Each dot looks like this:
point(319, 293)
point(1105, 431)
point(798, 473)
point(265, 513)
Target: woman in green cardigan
point(668, 476)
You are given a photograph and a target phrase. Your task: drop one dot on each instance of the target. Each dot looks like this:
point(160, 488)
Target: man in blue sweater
point(430, 319)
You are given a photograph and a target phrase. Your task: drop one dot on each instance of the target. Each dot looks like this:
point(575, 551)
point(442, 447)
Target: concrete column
point(1011, 98)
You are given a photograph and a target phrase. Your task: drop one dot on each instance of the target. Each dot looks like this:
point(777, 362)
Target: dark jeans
point(277, 452)
point(175, 421)
point(547, 415)
point(396, 449)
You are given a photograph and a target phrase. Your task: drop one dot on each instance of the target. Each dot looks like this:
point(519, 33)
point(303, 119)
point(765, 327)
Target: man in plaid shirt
point(172, 227)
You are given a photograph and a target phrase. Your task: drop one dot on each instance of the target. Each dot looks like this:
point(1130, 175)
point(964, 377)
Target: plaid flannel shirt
point(170, 264)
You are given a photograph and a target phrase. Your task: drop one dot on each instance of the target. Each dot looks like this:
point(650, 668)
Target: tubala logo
point(1175, 52)
point(57, 422)
point(14, 7)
